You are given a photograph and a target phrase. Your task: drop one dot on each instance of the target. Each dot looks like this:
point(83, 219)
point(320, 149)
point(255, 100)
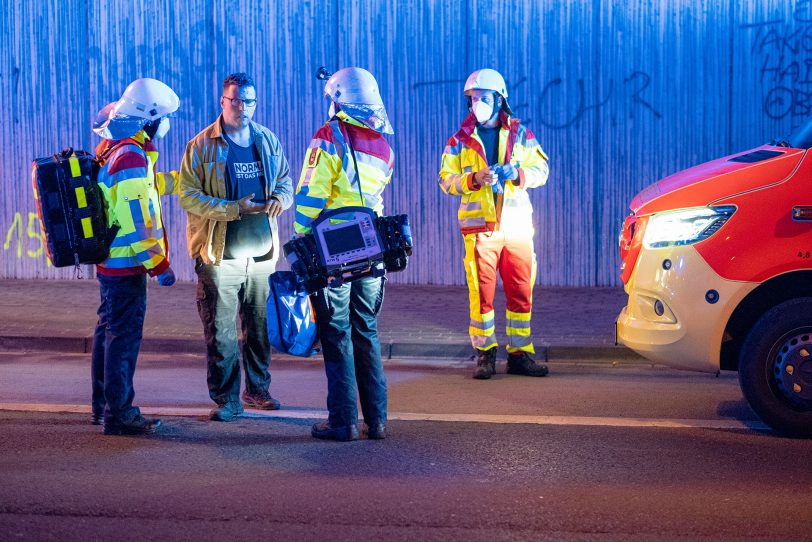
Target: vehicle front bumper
point(687, 329)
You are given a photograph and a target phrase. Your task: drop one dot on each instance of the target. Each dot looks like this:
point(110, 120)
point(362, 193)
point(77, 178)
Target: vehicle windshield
point(801, 137)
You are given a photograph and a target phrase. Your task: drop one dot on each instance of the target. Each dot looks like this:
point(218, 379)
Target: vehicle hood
point(721, 178)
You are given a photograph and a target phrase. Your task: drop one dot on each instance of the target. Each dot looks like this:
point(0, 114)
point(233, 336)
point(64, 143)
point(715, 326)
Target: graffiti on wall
point(24, 238)
point(784, 50)
point(631, 93)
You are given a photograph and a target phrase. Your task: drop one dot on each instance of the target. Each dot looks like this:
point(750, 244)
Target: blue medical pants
point(116, 343)
point(348, 329)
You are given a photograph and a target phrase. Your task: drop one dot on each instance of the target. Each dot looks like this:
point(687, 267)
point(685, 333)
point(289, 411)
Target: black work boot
point(227, 412)
point(520, 363)
point(325, 431)
point(137, 426)
point(376, 431)
point(485, 364)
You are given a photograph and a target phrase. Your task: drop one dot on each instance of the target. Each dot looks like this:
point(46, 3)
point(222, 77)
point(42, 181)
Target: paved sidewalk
point(416, 321)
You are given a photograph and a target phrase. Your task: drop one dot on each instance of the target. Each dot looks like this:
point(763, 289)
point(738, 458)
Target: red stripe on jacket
point(126, 160)
point(361, 139)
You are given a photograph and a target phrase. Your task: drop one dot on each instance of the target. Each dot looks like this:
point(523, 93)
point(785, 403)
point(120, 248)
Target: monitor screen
point(344, 239)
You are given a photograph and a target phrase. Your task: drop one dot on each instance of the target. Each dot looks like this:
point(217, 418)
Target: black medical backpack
point(71, 210)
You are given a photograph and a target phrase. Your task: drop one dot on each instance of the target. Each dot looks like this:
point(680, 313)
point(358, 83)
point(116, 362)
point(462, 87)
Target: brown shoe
point(261, 401)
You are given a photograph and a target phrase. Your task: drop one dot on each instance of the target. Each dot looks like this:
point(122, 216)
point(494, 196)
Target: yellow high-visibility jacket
point(479, 210)
point(132, 190)
point(329, 180)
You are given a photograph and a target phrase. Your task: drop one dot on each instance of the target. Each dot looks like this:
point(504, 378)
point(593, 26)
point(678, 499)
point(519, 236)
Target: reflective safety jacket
point(329, 179)
point(479, 210)
point(131, 189)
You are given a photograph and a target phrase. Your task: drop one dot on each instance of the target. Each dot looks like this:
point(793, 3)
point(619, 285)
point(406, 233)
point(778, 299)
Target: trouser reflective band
point(481, 331)
point(481, 326)
point(518, 332)
point(512, 257)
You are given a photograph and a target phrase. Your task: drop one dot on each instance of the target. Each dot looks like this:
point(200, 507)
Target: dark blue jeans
point(116, 342)
point(348, 328)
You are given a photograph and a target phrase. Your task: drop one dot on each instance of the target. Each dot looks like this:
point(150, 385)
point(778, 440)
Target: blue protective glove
point(499, 186)
point(508, 172)
point(167, 278)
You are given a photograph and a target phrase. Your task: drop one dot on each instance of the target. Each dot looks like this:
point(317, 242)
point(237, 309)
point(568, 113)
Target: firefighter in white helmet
point(490, 163)
point(131, 189)
point(349, 163)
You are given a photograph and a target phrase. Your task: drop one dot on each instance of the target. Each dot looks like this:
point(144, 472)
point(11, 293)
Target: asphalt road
point(594, 452)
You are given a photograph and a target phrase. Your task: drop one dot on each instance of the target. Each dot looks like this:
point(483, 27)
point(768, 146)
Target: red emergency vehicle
point(717, 263)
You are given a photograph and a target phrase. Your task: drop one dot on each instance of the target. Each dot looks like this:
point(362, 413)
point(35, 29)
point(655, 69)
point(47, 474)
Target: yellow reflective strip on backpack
point(81, 199)
point(87, 227)
point(75, 170)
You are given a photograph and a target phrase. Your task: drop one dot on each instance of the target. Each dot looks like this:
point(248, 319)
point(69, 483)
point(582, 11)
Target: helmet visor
point(117, 125)
point(371, 116)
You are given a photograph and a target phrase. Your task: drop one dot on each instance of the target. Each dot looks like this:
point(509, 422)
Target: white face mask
point(482, 111)
point(332, 111)
point(163, 128)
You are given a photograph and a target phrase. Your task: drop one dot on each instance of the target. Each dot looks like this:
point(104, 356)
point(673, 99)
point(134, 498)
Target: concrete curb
point(389, 350)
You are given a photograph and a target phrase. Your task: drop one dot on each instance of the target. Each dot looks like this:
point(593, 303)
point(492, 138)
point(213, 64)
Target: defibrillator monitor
point(346, 237)
point(344, 240)
point(348, 244)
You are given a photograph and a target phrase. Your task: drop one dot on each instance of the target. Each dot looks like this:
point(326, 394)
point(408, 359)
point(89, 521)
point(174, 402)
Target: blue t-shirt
point(244, 173)
point(490, 143)
point(249, 237)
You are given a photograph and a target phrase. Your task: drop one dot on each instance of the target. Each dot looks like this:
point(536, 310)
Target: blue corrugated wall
point(618, 94)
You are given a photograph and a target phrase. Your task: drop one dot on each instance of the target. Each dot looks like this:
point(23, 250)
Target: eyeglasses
point(237, 102)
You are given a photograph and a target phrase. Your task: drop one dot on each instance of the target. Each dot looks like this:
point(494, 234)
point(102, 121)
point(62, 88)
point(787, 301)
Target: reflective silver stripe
point(323, 144)
point(518, 341)
point(453, 149)
point(472, 222)
point(467, 169)
point(484, 326)
point(519, 324)
point(471, 206)
point(483, 342)
point(452, 183)
point(373, 200)
point(373, 161)
point(346, 164)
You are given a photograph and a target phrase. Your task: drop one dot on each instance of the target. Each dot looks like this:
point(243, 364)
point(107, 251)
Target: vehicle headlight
point(685, 226)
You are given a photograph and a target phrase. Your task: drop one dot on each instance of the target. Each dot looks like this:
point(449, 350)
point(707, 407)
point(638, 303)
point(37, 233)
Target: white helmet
point(353, 86)
point(147, 99)
point(356, 90)
point(143, 101)
point(487, 79)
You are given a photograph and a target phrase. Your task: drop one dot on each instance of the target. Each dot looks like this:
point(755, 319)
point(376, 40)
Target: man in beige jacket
point(235, 182)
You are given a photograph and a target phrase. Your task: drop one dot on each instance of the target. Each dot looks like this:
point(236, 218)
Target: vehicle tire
point(775, 367)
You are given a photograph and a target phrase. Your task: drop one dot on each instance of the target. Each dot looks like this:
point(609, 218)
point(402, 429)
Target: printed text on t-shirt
point(247, 170)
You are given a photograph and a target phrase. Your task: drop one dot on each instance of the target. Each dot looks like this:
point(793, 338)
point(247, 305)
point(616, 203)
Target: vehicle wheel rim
point(791, 368)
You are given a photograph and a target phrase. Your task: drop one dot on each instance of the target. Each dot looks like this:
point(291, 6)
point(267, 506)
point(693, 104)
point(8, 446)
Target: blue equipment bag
point(291, 320)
